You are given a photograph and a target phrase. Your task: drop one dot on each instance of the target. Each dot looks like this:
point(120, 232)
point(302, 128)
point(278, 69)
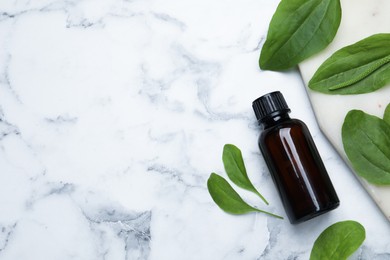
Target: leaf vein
point(300, 27)
point(363, 75)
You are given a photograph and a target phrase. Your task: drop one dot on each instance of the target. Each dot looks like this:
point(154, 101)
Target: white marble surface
point(114, 113)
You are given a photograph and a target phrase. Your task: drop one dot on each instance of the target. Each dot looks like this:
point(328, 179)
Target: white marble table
point(114, 113)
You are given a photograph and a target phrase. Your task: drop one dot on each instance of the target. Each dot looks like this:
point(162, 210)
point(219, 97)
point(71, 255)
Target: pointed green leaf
point(338, 241)
point(235, 169)
point(228, 199)
point(299, 29)
point(386, 116)
point(359, 68)
point(366, 141)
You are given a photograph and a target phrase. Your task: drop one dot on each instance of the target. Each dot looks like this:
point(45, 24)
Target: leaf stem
point(262, 197)
point(269, 213)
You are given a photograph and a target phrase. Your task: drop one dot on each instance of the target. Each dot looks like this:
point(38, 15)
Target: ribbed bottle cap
point(270, 105)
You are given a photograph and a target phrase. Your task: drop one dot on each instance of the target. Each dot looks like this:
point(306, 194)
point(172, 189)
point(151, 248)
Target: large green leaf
point(366, 141)
point(338, 241)
point(355, 69)
point(299, 29)
point(386, 115)
point(235, 169)
point(228, 199)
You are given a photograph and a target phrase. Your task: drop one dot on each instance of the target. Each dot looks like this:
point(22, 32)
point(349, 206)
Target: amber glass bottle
point(293, 160)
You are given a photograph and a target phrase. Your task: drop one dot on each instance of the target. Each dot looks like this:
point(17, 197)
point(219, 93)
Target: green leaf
point(359, 68)
point(299, 29)
point(338, 241)
point(366, 141)
point(228, 199)
point(235, 169)
point(386, 116)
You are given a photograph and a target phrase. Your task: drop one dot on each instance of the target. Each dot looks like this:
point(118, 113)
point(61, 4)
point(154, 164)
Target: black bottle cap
point(270, 105)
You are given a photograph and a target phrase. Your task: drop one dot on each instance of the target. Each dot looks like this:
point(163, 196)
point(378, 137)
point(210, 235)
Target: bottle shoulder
point(292, 123)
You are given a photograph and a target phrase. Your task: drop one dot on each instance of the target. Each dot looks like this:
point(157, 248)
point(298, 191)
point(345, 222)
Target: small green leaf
point(228, 199)
point(359, 68)
point(299, 29)
point(366, 141)
point(338, 241)
point(235, 169)
point(386, 116)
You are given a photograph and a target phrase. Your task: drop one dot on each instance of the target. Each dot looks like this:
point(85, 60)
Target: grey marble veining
point(114, 113)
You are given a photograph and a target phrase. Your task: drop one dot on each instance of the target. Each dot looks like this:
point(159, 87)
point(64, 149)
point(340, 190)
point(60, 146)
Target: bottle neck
point(272, 121)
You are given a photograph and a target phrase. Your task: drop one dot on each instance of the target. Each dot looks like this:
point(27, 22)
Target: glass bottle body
point(296, 168)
